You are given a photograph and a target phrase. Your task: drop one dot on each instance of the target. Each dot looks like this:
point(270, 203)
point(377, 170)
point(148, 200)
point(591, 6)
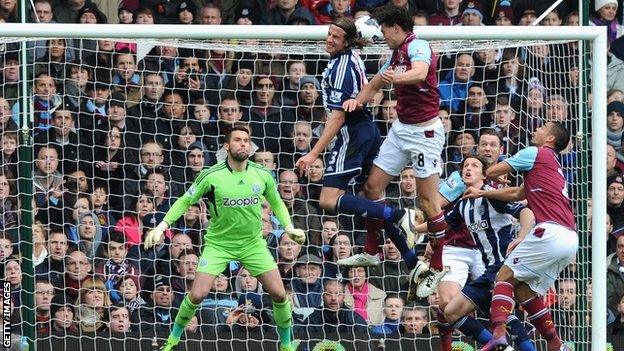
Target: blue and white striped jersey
point(343, 79)
point(490, 223)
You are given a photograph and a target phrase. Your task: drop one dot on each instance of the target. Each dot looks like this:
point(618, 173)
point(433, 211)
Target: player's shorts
point(255, 257)
point(462, 262)
point(542, 255)
point(352, 155)
point(407, 143)
point(479, 290)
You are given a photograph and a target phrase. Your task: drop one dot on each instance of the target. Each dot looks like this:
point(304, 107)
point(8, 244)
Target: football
point(368, 29)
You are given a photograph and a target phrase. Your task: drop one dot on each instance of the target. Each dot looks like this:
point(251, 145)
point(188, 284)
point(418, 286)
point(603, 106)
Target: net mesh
point(121, 129)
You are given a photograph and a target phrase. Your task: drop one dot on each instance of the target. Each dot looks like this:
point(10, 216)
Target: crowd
point(119, 136)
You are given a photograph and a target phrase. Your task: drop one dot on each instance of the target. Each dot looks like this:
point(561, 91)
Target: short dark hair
point(117, 237)
point(490, 131)
point(228, 136)
point(561, 134)
point(391, 15)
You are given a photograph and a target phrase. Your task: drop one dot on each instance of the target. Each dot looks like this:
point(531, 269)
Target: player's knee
point(450, 316)
point(198, 293)
point(328, 203)
point(279, 296)
point(372, 191)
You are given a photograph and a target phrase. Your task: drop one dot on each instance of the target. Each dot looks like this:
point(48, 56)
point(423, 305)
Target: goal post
point(595, 37)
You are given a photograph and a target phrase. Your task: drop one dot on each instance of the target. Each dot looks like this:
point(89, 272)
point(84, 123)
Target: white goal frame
point(596, 36)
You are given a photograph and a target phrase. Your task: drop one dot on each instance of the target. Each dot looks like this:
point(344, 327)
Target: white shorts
point(542, 255)
point(407, 143)
point(461, 262)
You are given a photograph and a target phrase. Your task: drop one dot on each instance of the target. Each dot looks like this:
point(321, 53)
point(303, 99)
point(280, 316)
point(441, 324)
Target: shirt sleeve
point(274, 199)
point(524, 160)
point(191, 196)
point(385, 65)
point(343, 84)
point(419, 50)
point(453, 217)
point(453, 187)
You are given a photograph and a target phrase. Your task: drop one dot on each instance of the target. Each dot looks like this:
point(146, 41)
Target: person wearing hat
point(606, 11)
point(615, 198)
point(62, 314)
point(528, 17)
point(90, 14)
point(307, 286)
point(504, 16)
point(246, 13)
point(186, 12)
point(241, 84)
point(157, 314)
point(615, 123)
point(472, 14)
point(310, 104)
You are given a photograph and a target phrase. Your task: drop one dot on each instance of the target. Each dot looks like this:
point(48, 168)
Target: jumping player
point(235, 189)
point(535, 263)
point(357, 142)
point(417, 136)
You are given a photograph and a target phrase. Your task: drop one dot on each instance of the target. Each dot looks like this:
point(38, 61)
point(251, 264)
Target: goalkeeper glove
point(154, 236)
point(297, 235)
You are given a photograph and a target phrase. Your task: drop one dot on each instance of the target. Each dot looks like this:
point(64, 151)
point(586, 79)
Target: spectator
point(53, 266)
point(618, 324)
point(615, 280)
point(307, 287)
point(101, 61)
point(335, 316)
point(248, 316)
point(90, 233)
point(605, 16)
point(48, 182)
point(13, 275)
point(42, 11)
point(505, 122)
point(392, 274)
point(219, 303)
point(612, 169)
point(137, 219)
point(330, 229)
point(62, 315)
point(54, 60)
point(129, 289)
point(9, 205)
point(185, 271)
point(124, 14)
point(557, 108)
point(504, 16)
point(144, 15)
point(210, 14)
point(157, 183)
point(565, 310)
point(92, 306)
point(326, 11)
point(287, 10)
point(267, 159)
point(241, 85)
point(45, 101)
point(315, 183)
point(247, 13)
point(341, 248)
point(304, 214)
point(116, 267)
point(40, 238)
point(415, 321)
point(119, 319)
point(90, 14)
point(44, 293)
point(157, 315)
point(615, 123)
point(454, 87)
point(476, 112)
point(186, 12)
point(420, 18)
point(393, 309)
point(79, 271)
point(449, 15)
point(363, 297)
point(152, 156)
point(615, 68)
point(310, 107)
point(407, 196)
point(299, 144)
point(472, 14)
point(287, 253)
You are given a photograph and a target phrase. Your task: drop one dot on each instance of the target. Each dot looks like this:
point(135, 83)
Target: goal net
point(119, 128)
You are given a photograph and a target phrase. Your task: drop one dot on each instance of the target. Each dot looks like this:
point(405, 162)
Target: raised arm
point(505, 194)
point(332, 126)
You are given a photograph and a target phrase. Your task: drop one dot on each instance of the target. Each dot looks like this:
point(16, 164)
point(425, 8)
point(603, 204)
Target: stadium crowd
point(119, 136)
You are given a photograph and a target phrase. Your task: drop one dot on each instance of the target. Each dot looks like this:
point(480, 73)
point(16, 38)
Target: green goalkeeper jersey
point(234, 202)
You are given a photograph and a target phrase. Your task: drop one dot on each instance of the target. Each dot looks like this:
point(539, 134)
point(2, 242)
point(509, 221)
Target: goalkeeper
point(235, 190)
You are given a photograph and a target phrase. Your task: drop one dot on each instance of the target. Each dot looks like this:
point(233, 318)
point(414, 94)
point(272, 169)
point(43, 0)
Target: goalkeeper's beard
point(240, 156)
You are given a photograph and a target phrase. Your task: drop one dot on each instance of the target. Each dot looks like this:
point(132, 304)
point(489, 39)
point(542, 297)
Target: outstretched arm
point(505, 194)
point(332, 126)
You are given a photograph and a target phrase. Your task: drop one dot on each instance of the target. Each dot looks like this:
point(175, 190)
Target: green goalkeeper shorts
point(256, 258)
